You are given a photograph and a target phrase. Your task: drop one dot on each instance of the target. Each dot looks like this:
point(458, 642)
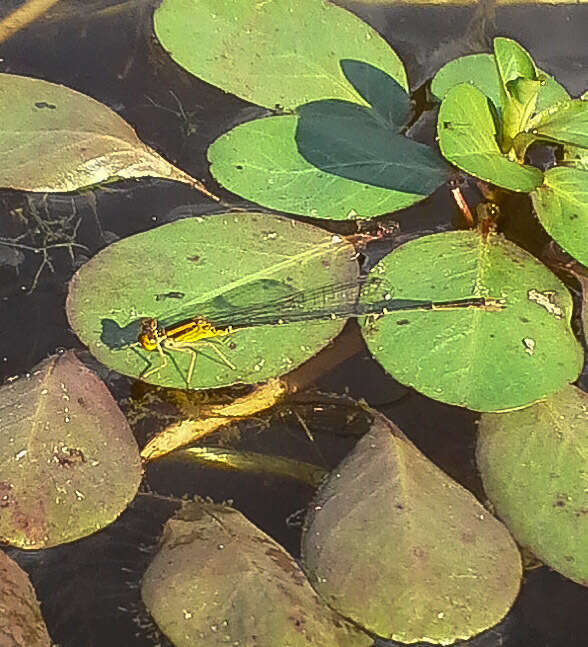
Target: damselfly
point(219, 319)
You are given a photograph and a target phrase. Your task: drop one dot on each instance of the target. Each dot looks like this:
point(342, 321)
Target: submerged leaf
point(218, 580)
point(394, 544)
point(534, 465)
point(69, 462)
point(54, 139)
point(280, 53)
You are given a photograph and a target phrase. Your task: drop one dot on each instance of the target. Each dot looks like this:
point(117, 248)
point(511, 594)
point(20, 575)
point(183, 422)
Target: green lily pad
point(561, 204)
point(281, 53)
point(480, 71)
point(261, 161)
point(534, 465)
point(482, 360)
point(218, 580)
point(21, 622)
point(54, 139)
point(565, 123)
point(209, 267)
point(70, 464)
point(394, 544)
point(468, 138)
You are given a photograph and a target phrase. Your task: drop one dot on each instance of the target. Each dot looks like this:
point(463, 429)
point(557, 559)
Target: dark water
point(89, 589)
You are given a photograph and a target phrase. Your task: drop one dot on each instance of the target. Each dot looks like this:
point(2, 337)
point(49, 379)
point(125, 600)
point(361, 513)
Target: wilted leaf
point(561, 204)
point(534, 465)
point(219, 580)
point(56, 139)
point(468, 138)
point(484, 360)
point(69, 464)
point(21, 622)
point(394, 544)
point(210, 267)
point(279, 53)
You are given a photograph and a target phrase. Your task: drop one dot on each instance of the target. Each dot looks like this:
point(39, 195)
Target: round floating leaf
point(260, 161)
point(219, 580)
point(21, 622)
point(209, 267)
point(284, 52)
point(418, 558)
point(56, 139)
point(534, 465)
point(482, 360)
point(480, 71)
point(69, 462)
point(468, 138)
point(561, 204)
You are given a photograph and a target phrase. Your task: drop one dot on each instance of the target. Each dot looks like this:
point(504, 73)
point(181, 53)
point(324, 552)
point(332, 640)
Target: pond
point(318, 236)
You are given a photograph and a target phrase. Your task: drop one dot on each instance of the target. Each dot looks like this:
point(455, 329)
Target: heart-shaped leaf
point(468, 138)
point(56, 139)
point(534, 465)
point(261, 161)
point(394, 544)
point(280, 53)
point(69, 462)
point(474, 357)
point(561, 204)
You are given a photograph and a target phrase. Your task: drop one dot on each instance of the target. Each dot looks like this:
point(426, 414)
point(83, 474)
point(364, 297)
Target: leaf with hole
point(480, 359)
